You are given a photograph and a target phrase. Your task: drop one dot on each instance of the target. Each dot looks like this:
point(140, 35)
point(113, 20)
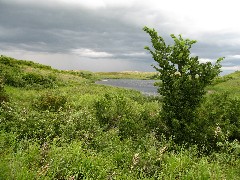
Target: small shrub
point(110, 109)
point(14, 75)
point(51, 101)
point(222, 79)
point(86, 74)
point(7, 61)
point(38, 80)
point(3, 95)
point(218, 120)
point(117, 111)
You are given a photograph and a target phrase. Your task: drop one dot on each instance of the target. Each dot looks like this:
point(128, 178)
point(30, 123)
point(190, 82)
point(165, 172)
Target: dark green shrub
point(12, 75)
point(37, 80)
point(110, 109)
point(51, 101)
point(86, 74)
point(219, 120)
point(128, 127)
point(117, 111)
point(7, 61)
point(183, 81)
point(3, 95)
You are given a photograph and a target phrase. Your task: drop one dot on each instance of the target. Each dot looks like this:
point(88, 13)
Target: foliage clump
point(131, 118)
point(3, 95)
point(14, 75)
point(50, 101)
point(183, 81)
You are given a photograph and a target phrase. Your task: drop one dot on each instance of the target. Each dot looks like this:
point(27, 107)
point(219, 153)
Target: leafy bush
point(218, 120)
point(38, 80)
point(111, 108)
point(86, 75)
point(131, 118)
point(117, 111)
point(3, 95)
point(51, 101)
point(183, 81)
point(14, 75)
point(7, 61)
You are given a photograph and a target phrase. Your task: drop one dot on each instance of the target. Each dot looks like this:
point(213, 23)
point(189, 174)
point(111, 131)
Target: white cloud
point(202, 60)
point(90, 53)
point(135, 54)
point(231, 68)
point(234, 56)
point(204, 15)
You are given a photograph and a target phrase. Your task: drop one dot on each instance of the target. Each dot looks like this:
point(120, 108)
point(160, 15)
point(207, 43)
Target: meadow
point(61, 125)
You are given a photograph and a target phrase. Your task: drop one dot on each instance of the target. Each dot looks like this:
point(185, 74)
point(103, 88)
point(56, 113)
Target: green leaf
point(180, 55)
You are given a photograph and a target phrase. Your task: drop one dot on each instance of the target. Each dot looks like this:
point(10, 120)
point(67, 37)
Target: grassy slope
point(127, 75)
point(230, 84)
point(74, 143)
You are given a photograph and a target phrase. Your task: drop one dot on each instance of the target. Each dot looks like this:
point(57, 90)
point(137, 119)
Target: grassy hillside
point(127, 75)
point(61, 125)
point(229, 83)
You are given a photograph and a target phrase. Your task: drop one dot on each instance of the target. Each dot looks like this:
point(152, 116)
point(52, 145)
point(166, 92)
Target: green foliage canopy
point(184, 80)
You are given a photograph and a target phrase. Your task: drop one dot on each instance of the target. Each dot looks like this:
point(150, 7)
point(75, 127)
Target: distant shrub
point(14, 62)
point(10, 72)
point(86, 74)
point(50, 101)
point(3, 95)
point(13, 74)
point(38, 80)
point(222, 79)
point(33, 64)
point(7, 61)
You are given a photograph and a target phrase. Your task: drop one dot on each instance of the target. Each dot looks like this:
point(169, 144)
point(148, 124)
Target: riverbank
point(127, 75)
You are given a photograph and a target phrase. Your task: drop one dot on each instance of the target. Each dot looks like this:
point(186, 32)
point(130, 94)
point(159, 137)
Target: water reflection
point(144, 86)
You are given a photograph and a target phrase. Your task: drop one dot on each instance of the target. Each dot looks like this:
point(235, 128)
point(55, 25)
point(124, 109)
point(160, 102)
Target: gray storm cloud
point(86, 37)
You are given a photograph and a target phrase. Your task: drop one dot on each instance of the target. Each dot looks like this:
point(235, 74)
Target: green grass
point(229, 83)
point(76, 129)
point(127, 75)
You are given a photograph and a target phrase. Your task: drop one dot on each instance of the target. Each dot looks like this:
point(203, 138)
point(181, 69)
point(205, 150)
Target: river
point(145, 86)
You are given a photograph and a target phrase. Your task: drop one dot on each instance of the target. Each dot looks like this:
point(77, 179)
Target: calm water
point(144, 86)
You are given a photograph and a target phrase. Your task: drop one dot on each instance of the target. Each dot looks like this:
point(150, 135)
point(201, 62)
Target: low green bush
point(131, 118)
point(111, 108)
point(3, 95)
point(117, 111)
point(36, 80)
point(51, 101)
point(218, 120)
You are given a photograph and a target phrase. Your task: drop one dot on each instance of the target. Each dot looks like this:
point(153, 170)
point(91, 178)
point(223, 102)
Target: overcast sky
point(107, 35)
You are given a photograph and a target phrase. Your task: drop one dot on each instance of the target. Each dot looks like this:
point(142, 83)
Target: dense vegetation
point(60, 125)
point(183, 85)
